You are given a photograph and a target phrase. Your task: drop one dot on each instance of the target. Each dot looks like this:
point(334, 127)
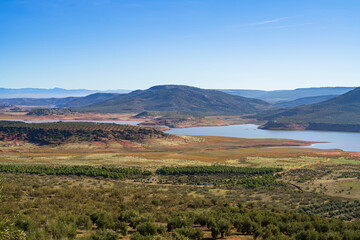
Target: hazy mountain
point(341, 113)
point(180, 99)
point(50, 93)
point(88, 100)
point(288, 95)
point(304, 101)
point(60, 102)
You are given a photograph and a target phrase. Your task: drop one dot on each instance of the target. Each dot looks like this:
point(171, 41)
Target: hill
point(88, 100)
point(74, 132)
point(341, 113)
point(59, 102)
point(180, 98)
point(50, 93)
point(304, 101)
point(288, 95)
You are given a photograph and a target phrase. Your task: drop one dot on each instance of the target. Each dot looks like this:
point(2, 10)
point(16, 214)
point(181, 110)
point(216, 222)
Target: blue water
point(335, 140)
point(95, 121)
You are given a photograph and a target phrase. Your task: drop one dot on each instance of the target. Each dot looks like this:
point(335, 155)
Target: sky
point(220, 44)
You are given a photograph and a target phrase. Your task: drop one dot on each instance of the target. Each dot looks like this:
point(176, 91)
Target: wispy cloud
point(290, 26)
point(266, 21)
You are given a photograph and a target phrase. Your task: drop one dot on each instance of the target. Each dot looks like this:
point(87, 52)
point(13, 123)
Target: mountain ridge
point(180, 98)
point(339, 112)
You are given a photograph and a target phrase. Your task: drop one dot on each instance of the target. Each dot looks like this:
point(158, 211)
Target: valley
point(183, 170)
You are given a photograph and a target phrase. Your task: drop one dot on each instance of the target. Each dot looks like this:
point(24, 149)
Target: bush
point(107, 234)
point(147, 229)
point(123, 227)
point(105, 220)
point(191, 233)
point(84, 222)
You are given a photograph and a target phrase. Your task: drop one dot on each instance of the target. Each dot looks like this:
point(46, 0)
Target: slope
point(341, 113)
point(60, 102)
point(180, 99)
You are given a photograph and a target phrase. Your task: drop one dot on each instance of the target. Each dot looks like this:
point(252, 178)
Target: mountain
point(88, 100)
point(304, 101)
point(60, 102)
point(341, 113)
point(288, 95)
point(50, 93)
point(180, 99)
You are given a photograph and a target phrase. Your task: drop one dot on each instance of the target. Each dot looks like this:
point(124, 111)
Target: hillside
point(50, 93)
point(288, 95)
point(74, 132)
point(88, 100)
point(341, 113)
point(304, 101)
point(59, 102)
point(180, 99)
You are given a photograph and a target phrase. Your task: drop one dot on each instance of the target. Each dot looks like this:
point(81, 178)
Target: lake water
point(95, 121)
point(335, 140)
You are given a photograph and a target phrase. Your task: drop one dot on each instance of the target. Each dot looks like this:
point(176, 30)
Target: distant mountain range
point(304, 101)
point(180, 98)
point(269, 96)
point(336, 111)
point(59, 102)
point(51, 93)
point(289, 95)
point(341, 113)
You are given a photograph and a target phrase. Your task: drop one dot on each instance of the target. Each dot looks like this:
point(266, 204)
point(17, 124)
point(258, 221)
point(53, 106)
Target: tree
point(84, 221)
point(103, 234)
point(105, 220)
point(224, 226)
point(147, 229)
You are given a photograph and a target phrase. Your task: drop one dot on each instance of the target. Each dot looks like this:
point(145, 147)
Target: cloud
point(266, 21)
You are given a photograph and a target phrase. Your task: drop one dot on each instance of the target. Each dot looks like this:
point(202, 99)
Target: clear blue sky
point(130, 44)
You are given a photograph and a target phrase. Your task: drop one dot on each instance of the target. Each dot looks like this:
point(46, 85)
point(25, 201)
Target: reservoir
point(334, 140)
point(346, 141)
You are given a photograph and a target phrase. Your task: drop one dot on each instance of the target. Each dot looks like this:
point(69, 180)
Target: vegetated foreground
point(174, 203)
point(60, 132)
point(182, 187)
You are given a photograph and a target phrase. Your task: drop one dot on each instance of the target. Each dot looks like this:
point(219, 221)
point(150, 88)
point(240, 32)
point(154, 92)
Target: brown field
point(178, 151)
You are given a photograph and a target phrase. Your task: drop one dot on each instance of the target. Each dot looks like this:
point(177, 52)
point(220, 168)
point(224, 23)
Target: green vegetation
point(343, 210)
point(56, 207)
point(191, 170)
point(106, 172)
point(222, 176)
point(49, 111)
point(59, 132)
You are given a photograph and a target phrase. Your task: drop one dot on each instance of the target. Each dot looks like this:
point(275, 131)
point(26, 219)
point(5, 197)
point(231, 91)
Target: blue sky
point(130, 44)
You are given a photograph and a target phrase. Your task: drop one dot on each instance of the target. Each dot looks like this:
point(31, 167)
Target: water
point(95, 121)
point(334, 140)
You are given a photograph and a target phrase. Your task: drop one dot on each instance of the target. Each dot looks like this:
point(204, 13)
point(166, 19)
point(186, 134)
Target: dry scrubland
point(312, 181)
point(200, 150)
